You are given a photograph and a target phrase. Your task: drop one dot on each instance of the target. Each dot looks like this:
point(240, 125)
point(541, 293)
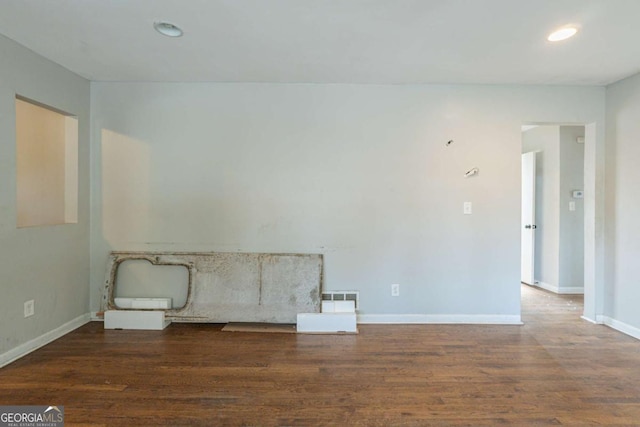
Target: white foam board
point(327, 323)
point(338, 306)
point(135, 319)
point(163, 303)
point(328, 307)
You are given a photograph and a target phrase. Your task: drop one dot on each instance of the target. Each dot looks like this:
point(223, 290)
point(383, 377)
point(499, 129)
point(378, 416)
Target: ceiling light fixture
point(167, 29)
point(562, 34)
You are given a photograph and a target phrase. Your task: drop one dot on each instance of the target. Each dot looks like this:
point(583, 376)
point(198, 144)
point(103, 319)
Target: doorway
point(553, 207)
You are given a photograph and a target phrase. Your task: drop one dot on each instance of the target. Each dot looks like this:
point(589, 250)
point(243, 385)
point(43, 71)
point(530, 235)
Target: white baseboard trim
point(547, 286)
point(571, 291)
point(625, 328)
point(34, 344)
point(598, 321)
point(558, 290)
point(480, 319)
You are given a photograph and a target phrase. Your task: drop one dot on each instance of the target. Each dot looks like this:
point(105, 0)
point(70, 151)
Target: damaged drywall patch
point(234, 287)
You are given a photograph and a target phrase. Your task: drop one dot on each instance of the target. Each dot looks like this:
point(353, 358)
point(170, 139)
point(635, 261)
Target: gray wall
point(49, 264)
point(623, 184)
point(360, 173)
point(356, 172)
point(571, 222)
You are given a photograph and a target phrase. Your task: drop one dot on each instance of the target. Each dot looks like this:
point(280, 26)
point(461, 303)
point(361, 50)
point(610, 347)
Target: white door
point(528, 230)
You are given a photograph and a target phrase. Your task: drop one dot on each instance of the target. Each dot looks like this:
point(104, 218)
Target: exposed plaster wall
point(233, 287)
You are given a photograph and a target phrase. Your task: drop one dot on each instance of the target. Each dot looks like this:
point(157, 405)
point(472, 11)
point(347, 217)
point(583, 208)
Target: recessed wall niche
point(46, 165)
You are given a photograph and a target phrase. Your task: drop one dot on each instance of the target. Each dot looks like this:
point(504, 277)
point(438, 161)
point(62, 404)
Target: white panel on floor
point(135, 319)
point(326, 323)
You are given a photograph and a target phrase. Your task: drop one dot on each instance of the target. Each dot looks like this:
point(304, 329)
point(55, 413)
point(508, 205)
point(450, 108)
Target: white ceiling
point(333, 41)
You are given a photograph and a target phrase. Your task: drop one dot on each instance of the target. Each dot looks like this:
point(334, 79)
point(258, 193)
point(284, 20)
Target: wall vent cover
point(342, 296)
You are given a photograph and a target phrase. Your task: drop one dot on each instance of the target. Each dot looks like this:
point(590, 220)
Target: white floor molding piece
point(34, 344)
point(621, 326)
point(561, 291)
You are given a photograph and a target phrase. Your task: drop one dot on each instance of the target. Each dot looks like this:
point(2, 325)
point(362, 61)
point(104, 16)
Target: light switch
point(466, 208)
point(572, 206)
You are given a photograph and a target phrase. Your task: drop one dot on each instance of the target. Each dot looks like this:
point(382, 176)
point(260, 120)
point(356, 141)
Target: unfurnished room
point(306, 212)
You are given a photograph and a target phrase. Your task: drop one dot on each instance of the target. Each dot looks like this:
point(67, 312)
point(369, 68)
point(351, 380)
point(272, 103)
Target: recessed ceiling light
point(562, 34)
point(167, 29)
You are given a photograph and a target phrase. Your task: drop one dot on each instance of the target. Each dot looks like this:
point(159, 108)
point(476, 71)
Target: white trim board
point(479, 319)
point(625, 328)
point(44, 339)
point(598, 321)
point(558, 290)
point(442, 319)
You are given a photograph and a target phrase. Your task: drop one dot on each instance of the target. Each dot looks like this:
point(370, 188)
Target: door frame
point(594, 203)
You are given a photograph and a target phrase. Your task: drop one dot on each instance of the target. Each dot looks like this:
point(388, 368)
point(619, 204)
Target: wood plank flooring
point(554, 370)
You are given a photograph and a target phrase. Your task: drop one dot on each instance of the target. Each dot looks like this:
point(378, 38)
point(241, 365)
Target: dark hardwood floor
point(554, 370)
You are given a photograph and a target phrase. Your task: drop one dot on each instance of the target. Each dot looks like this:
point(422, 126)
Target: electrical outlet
point(395, 290)
point(29, 308)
